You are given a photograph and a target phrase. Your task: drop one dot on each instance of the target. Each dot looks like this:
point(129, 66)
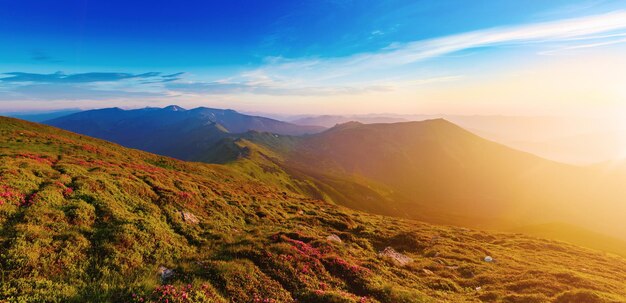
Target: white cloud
point(365, 72)
point(324, 70)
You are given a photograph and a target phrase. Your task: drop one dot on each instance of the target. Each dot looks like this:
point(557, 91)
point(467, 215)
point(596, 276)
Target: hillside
point(86, 220)
point(430, 170)
point(437, 172)
point(171, 131)
point(572, 140)
point(575, 235)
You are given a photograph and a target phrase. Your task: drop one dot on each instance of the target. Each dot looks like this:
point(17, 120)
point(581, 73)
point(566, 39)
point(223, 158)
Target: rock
point(165, 273)
point(334, 238)
point(396, 256)
point(478, 288)
point(488, 259)
point(189, 217)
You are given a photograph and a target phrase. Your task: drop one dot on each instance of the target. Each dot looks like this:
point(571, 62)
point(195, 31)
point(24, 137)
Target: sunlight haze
point(313, 151)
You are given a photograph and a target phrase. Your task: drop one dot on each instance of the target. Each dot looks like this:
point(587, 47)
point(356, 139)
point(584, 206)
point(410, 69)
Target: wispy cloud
point(403, 54)
point(71, 92)
point(42, 56)
point(82, 86)
point(356, 74)
point(221, 87)
point(347, 75)
point(60, 77)
point(602, 41)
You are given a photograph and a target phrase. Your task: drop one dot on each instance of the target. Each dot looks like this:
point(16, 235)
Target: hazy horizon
point(577, 140)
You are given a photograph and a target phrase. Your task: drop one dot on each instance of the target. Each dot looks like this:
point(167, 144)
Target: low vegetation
point(84, 220)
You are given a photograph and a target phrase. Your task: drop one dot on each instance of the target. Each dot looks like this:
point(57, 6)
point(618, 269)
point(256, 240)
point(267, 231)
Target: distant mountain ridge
point(172, 131)
point(332, 120)
point(39, 116)
point(438, 172)
point(572, 140)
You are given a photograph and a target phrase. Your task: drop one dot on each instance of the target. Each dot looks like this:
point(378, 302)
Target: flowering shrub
point(184, 195)
point(29, 201)
point(68, 191)
point(90, 148)
point(8, 194)
point(333, 296)
point(264, 300)
point(37, 158)
point(92, 163)
point(179, 294)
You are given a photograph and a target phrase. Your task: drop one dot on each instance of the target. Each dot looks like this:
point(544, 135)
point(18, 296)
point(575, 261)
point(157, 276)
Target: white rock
point(165, 273)
point(396, 256)
point(334, 238)
point(189, 217)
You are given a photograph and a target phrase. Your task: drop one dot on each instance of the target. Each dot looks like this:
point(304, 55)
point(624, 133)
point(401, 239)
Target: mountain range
point(172, 131)
point(433, 170)
point(86, 220)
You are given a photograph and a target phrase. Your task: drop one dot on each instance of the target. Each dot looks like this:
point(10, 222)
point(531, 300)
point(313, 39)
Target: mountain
point(438, 172)
point(573, 140)
point(85, 220)
point(332, 120)
point(171, 131)
point(430, 170)
point(41, 116)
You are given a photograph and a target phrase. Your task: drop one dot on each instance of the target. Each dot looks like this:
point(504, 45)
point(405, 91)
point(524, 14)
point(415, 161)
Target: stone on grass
point(189, 217)
point(334, 238)
point(395, 256)
point(488, 259)
point(165, 273)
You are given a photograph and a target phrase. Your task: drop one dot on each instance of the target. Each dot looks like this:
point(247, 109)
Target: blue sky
point(333, 56)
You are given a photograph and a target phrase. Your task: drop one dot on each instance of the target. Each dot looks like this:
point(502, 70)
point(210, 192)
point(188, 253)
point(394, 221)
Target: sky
point(501, 57)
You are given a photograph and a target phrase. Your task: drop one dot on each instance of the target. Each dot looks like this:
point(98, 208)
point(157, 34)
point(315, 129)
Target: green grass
point(85, 220)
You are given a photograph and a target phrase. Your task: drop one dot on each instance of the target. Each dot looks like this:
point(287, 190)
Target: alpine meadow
point(313, 151)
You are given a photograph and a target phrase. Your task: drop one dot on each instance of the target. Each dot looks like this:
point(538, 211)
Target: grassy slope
point(575, 235)
point(437, 172)
point(85, 220)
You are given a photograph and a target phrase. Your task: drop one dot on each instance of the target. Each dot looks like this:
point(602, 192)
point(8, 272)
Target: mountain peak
point(174, 108)
point(349, 124)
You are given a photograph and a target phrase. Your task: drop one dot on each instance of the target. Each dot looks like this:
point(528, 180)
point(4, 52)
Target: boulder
point(165, 273)
point(334, 238)
point(399, 258)
point(189, 217)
